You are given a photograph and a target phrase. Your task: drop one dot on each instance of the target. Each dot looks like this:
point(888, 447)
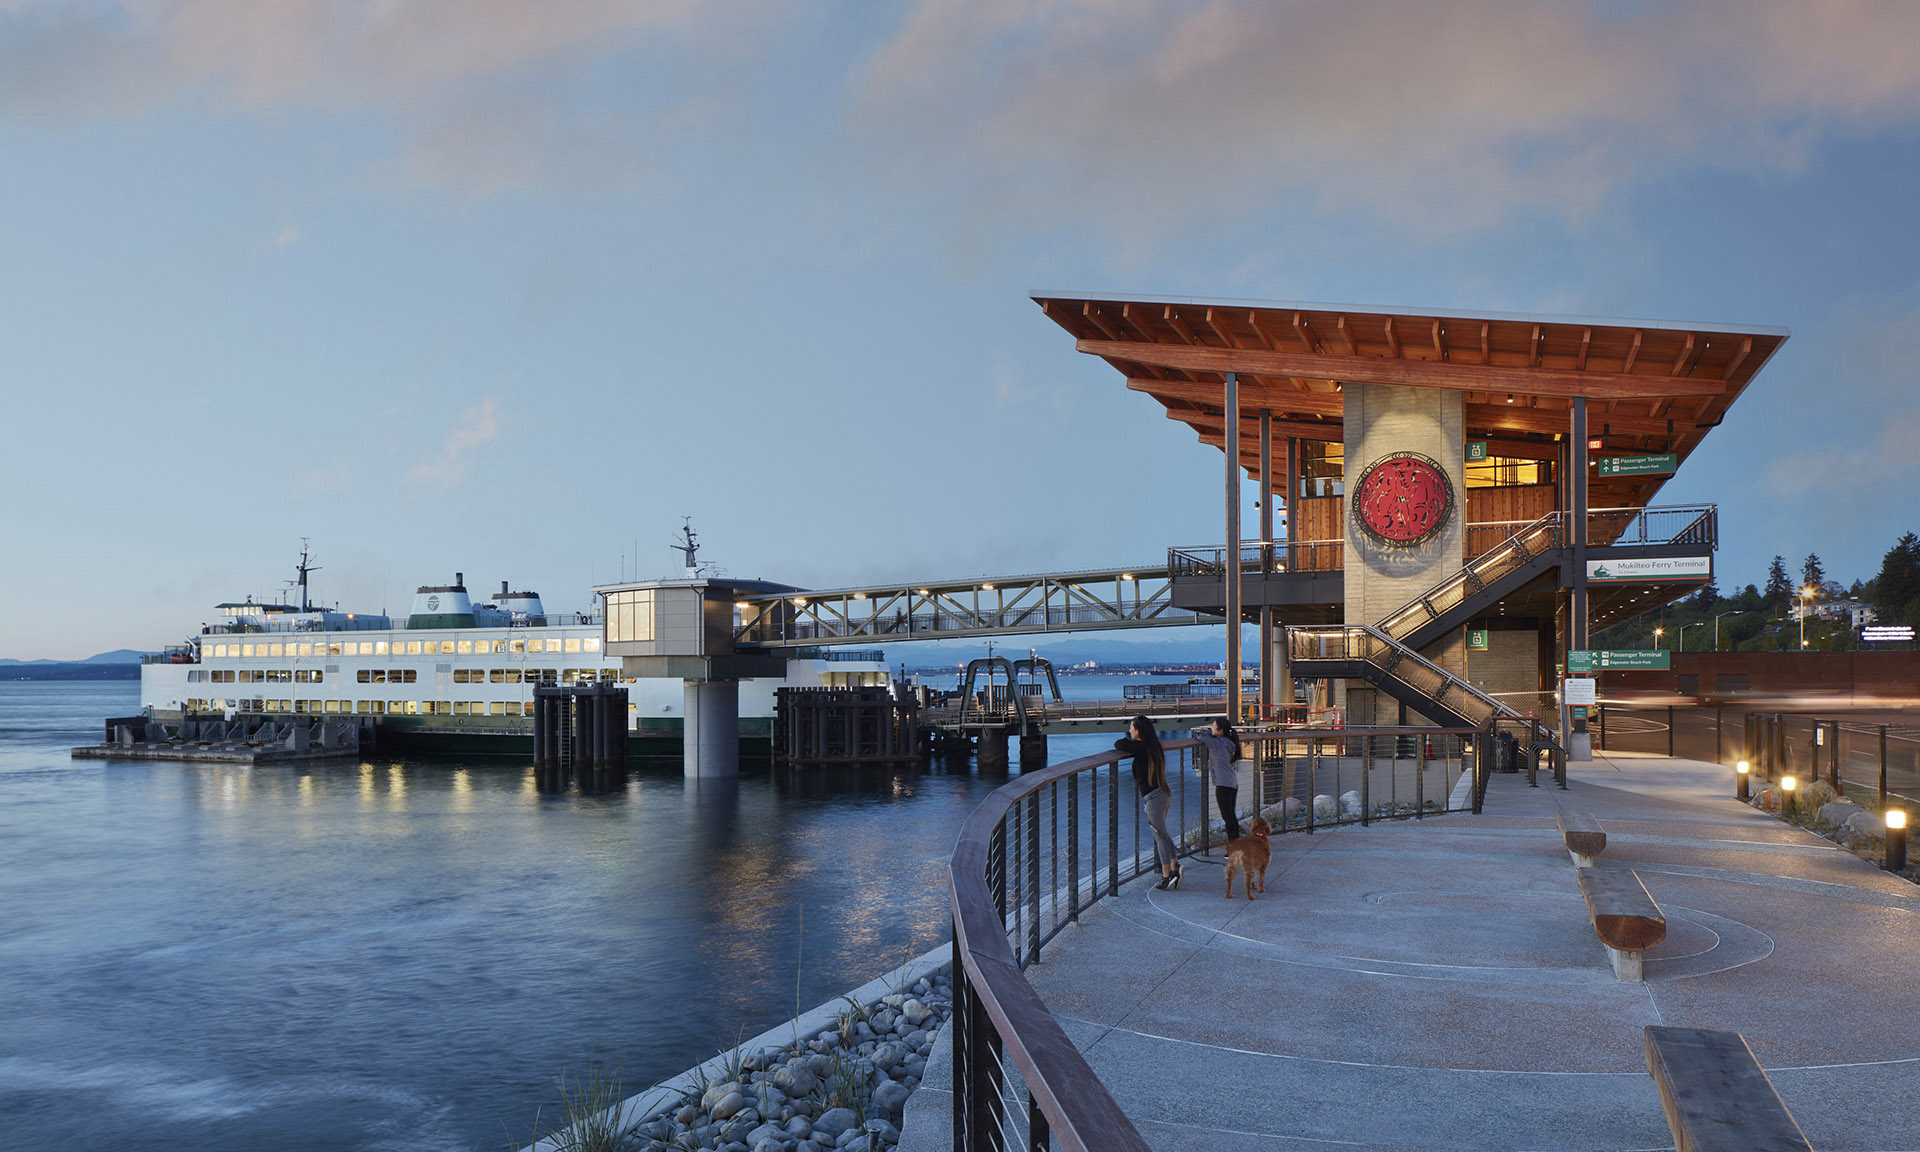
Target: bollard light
point(1742, 773)
point(1896, 839)
point(1786, 785)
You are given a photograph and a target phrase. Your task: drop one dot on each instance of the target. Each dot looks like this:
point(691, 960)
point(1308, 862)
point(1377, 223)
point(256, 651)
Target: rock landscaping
point(843, 1087)
point(1855, 827)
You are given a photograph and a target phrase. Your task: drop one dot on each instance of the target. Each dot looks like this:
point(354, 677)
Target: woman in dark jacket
point(1150, 778)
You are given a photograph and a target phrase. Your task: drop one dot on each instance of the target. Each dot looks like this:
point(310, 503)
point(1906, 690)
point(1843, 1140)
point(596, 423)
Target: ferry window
point(460, 676)
point(572, 644)
point(496, 709)
point(499, 645)
point(379, 648)
point(553, 645)
point(464, 648)
point(364, 676)
point(246, 649)
point(591, 644)
point(351, 648)
point(448, 647)
point(379, 707)
point(459, 707)
point(516, 645)
point(609, 674)
point(274, 649)
point(411, 676)
point(443, 708)
point(333, 649)
point(511, 675)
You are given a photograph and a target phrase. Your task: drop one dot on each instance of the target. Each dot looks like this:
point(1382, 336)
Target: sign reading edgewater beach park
point(1603, 659)
point(1649, 568)
point(1639, 465)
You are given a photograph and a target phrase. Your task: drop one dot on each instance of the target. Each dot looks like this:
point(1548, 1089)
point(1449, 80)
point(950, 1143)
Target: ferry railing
point(1050, 845)
point(394, 624)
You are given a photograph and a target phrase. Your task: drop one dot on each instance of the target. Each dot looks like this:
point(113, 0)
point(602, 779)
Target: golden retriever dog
point(1249, 854)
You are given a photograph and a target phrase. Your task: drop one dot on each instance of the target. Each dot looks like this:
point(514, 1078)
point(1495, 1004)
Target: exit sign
point(1665, 462)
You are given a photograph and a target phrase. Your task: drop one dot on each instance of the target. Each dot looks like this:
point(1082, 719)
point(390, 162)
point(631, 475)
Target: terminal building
point(1468, 495)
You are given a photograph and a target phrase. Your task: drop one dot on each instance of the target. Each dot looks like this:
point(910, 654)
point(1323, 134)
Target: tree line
point(1759, 616)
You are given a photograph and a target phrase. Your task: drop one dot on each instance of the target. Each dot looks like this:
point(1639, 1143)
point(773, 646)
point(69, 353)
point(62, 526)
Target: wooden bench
point(1584, 837)
point(1625, 918)
point(1716, 1095)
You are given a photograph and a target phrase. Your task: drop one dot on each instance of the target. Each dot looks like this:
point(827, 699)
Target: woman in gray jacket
point(1223, 749)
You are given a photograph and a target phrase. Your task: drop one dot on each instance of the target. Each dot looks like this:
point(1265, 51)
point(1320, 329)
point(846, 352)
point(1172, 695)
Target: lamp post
point(1716, 627)
point(1806, 602)
point(1742, 772)
point(1896, 839)
point(1787, 784)
point(1681, 636)
point(1657, 633)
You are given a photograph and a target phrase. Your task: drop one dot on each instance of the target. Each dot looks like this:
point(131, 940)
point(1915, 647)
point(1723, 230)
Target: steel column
point(1233, 546)
point(1267, 669)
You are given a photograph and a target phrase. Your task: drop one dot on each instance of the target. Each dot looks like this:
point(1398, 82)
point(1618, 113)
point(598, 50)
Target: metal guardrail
point(1606, 527)
point(1048, 846)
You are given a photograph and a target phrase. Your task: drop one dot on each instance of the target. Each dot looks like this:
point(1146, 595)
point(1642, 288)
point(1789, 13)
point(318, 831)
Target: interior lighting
point(1509, 397)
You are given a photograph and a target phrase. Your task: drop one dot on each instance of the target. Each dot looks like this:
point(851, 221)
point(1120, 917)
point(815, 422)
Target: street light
point(1806, 602)
point(1657, 633)
point(1716, 627)
point(1681, 635)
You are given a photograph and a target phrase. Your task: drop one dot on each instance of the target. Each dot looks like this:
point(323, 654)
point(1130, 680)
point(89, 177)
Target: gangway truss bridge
point(1103, 598)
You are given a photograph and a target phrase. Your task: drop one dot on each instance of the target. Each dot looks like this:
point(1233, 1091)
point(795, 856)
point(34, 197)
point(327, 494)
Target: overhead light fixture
point(1509, 397)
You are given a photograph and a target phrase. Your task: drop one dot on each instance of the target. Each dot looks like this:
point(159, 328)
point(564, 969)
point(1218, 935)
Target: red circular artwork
point(1402, 499)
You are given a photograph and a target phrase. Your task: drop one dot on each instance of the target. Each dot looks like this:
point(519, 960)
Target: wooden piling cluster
point(580, 736)
point(844, 726)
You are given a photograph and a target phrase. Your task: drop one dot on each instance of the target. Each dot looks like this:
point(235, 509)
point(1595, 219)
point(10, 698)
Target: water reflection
point(401, 952)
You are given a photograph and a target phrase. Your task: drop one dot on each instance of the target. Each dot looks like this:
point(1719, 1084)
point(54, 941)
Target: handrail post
point(1366, 773)
point(1073, 848)
point(1033, 878)
point(1113, 829)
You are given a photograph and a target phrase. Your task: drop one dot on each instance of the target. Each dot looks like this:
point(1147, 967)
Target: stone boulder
point(1324, 807)
point(1350, 803)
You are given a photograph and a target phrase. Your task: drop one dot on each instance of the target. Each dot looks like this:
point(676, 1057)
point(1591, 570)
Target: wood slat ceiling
point(1652, 387)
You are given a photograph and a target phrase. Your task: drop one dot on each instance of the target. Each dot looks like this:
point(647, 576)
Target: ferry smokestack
point(460, 578)
point(503, 587)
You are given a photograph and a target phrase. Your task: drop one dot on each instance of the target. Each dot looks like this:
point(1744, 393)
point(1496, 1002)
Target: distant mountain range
point(117, 656)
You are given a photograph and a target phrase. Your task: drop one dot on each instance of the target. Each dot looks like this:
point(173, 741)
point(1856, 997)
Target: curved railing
point(1049, 845)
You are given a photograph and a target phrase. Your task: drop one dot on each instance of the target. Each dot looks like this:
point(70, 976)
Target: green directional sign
point(1609, 660)
point(1665, 462)
point(1476, 451)
point(1479, 640)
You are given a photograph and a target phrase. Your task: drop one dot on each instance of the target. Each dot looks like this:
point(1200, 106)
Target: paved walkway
point(1439, 985)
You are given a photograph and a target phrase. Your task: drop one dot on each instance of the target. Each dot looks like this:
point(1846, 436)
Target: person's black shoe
point(1173, 881)
point(1166, 882)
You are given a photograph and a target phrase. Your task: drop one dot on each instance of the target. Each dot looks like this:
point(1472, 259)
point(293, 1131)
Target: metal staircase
point(1387, 655)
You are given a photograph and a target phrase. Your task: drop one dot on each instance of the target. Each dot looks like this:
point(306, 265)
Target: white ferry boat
point(456, 675)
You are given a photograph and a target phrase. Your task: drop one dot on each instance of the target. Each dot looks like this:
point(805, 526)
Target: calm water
point(404, 954)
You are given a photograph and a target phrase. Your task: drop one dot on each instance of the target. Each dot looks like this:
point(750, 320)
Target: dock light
point(1896, 839)
point(799, 599)
point(1126, 575)
point(1742, 773)
point(1787, 784)
point(859, 595)
point(986, 587)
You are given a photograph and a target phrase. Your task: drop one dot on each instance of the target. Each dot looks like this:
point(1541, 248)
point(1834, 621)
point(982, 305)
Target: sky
point(509, 287)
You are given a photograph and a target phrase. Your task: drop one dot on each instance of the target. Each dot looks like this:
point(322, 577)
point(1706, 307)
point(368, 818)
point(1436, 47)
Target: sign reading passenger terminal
point(1648, 568)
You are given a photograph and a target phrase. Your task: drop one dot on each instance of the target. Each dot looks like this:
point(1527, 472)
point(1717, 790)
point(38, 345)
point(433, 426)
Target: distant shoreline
point(69, 671)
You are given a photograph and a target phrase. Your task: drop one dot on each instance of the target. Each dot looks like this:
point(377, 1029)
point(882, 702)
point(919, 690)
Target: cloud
point(477, 426)
point(486, 93)
point(1135, 113)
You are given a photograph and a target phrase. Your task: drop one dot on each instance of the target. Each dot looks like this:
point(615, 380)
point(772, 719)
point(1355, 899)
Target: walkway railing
point(1051, 844)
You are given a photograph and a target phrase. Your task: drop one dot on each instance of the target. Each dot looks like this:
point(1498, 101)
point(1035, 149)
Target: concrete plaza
point(1437, 984)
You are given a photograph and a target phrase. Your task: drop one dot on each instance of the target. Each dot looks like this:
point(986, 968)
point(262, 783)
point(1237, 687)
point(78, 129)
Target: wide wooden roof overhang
point(1650, 386)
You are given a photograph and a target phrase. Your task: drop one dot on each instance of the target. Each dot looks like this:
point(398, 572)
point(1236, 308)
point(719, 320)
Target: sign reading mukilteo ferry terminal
point(1402, 500)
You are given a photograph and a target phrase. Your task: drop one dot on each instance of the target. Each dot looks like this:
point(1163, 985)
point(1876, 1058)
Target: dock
point(249, 740)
